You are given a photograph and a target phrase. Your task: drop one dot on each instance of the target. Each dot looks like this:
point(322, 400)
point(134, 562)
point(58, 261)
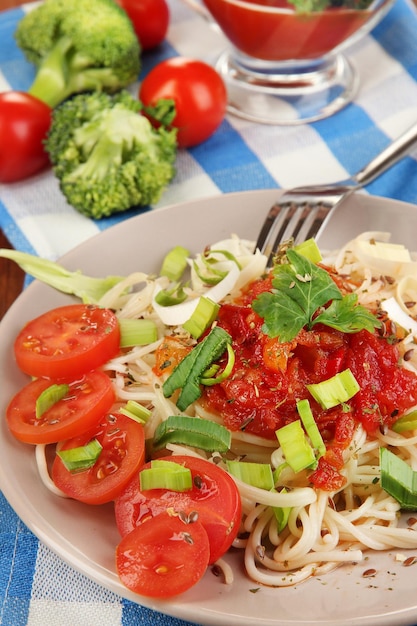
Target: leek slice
point(297, 451)
point(89, 289)
point(166, 475)
point(399, 316)
point(309, 423)
point(398, 479)
point(170, 297)
point(135, 411)
point(255, 474)
point(335, 390)
point(50, 396)
point(174, 263)
point(282, 514)
point(137, 332)
point(194, 432)
point(187, 374)
point(406, 422)
point(209, 379)
point(81, 458)
point(310, 250)
point(203, 316)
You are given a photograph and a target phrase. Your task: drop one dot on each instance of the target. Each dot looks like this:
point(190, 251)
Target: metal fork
point(302, 212)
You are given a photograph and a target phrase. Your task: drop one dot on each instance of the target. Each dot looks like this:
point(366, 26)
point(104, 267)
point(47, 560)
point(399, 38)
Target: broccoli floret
point(77, 46)
point(107, 156)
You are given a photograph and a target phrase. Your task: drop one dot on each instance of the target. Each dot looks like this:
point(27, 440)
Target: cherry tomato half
point(67, 342)
point(24, 124)
point(123, 453)
point(150, 19)
point(163, 558)
point(88, 399)
point(199, 94)
point(214, 496)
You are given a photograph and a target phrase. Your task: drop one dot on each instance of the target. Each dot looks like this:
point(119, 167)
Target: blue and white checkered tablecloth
point(240, 156)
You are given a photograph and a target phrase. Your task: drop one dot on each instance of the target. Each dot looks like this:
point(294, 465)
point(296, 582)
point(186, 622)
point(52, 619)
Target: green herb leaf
point(301, 289)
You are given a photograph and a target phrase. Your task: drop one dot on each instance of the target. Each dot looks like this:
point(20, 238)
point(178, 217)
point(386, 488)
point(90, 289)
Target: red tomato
point(199, 94)
point(150, 19)
point(164, 558)
point(67, 342)
point(123, 453)
point(24, 124)
point(214, 496)
point(88, 399)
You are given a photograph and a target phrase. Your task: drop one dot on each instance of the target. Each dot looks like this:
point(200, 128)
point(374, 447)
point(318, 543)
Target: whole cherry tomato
point(198, 92)
point(24, 124)
point(150, 19)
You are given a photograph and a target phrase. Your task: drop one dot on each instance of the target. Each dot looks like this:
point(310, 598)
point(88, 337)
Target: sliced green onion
point(309, 423)
point(135, 411)
point(256, 474)
point(81, 458)
point(135, 332)
point(209, 380)
point(281, 514)
point(169, 297)
point(310, 250)
point(406, 422)
point(166, 475)
point(50, 396)
point(194, 432)
point(295, 447)
point(175, 263)
point(203, 316)
point(398, 479)
point(187, 374)
point(335, 390)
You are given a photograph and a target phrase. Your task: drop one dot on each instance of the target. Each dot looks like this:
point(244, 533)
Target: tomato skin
point(163, 558)
point(214, 496)
point(88, 399)
point(199, 94)
point(24, 124)
point(67, 342)
point(150, 19)
point(123, 453)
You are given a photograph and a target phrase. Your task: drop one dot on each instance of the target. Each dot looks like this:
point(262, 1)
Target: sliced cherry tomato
point(199, 94)
point(24, 124)
point(67, 342)
point(150, 19)
point(123, 453)
point(214, 496)
point(88, 399)
point(163, 558)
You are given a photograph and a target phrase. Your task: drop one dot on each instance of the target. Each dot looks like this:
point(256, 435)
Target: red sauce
point(281, 36)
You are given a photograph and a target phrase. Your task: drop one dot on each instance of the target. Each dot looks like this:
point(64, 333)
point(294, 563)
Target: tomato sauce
point(280, 36)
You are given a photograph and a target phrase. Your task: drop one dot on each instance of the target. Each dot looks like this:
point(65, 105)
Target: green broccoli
point(107, 156)
point(77, 46)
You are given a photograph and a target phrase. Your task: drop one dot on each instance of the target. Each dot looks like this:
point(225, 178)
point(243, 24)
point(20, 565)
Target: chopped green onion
point(134, 332)
point(203, 316)
point(256, 474)
point(335, 390)
point(209, 380)
point(309, 423)
point(50, 396)
point(406, 422)
point(166, 475)
point(398, 479)
point(192, 431)
point(295, 447)
point(175, 263)
point(310, 250)
point(135, 411)
point(81, 458)
point(282, 513)
point(169, 297)
point(187, 374)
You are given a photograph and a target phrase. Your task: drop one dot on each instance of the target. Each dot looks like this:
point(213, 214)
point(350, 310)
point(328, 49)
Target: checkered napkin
point(36, 587)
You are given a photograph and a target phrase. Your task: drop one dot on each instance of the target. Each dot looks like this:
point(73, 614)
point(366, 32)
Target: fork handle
point(396, 150)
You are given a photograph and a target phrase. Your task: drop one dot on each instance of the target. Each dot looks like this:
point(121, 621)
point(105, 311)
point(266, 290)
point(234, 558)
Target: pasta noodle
point(325, 528)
